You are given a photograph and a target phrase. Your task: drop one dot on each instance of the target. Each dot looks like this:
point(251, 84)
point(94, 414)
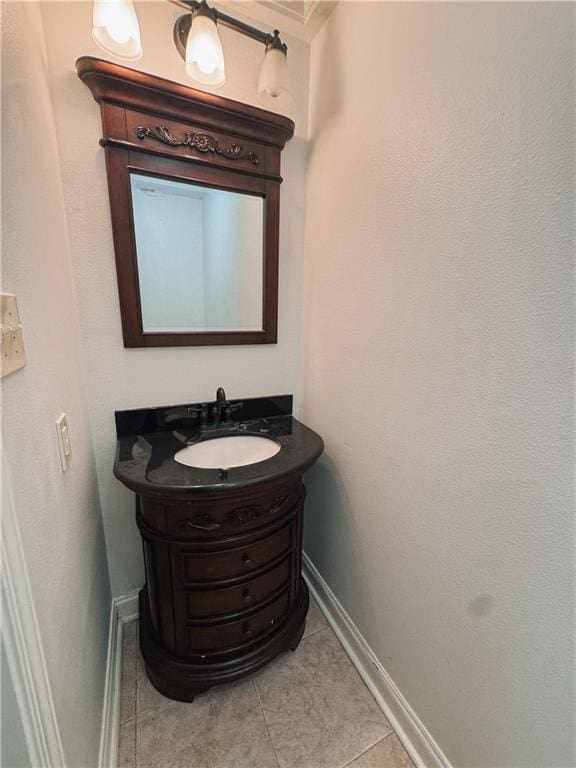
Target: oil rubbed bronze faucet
point(223, 409)
point(220, 407)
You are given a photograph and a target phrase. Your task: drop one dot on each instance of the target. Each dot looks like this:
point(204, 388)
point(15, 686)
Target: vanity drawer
point(201, 521)
point(234, 633)
point(200, 567)
point(215, 602)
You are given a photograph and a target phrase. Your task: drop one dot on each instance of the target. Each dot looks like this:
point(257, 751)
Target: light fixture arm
point(182, 26)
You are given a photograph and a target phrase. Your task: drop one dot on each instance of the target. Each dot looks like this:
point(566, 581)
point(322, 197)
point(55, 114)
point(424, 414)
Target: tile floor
point(308, 709)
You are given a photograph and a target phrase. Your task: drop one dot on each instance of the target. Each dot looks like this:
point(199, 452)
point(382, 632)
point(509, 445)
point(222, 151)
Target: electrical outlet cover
point(12, 354)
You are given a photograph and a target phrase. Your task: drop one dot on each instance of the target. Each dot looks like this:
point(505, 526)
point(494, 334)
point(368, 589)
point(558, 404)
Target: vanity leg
point(296, 640)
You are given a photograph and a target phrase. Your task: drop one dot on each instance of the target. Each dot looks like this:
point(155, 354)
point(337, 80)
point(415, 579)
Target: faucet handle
point(183, 414)
point(230, 408)
point(202, 412)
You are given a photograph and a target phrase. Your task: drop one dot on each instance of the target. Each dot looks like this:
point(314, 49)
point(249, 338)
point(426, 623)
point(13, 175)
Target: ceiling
point(299, 18)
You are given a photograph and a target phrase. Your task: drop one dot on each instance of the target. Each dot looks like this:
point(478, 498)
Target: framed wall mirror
point(199, 254)
point(194, 198)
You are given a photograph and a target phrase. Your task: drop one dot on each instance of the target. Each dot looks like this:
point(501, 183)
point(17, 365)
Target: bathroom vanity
point(222, 544)
point(194, 185)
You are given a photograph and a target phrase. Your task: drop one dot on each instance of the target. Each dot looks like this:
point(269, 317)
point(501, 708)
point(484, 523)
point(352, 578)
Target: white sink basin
point(226, 452)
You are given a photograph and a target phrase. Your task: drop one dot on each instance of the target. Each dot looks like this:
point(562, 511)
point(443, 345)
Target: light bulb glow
point(204, 55)
point(116, 28)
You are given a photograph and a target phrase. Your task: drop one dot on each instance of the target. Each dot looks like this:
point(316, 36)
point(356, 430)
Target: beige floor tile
point(318, 711)
point(128, 685)
point(127, 745)
point(315, 620)
point(222, 728)
point(147, 697)
point(388, 753)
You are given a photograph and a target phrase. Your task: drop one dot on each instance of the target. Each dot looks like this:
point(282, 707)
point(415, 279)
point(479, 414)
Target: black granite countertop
point(146, 447)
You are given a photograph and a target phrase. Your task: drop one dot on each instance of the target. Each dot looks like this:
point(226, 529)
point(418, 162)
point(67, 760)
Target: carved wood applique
point(241, 516)
point(202, 142)
point(245, 515)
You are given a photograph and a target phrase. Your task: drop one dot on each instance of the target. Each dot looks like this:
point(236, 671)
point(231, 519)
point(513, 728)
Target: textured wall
point(58, 514)
point(438, 360)
point(124, 378)
point(13, 747)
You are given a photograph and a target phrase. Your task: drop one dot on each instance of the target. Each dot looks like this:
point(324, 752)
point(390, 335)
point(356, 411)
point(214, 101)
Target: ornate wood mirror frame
point(159, 128)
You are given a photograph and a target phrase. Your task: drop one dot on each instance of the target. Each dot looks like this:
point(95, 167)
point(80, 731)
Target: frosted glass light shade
point(274, 78)
point(204, 55)
point(116, 29)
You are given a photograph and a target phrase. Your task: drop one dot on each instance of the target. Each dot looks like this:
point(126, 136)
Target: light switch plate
point(64, 444)
point(12, 353)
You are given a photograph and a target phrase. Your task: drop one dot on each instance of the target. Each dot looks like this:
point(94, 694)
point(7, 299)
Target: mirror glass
point(200, 256)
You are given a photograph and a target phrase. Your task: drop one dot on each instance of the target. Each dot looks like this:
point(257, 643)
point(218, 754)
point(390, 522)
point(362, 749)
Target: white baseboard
point(127, 606)
point(108, 757)
point(122, 610)
point(408, 727)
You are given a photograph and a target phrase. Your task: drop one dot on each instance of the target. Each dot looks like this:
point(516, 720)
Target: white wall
point(14, 752)
point(124, 378)
point(58, 514)
point(438, 360)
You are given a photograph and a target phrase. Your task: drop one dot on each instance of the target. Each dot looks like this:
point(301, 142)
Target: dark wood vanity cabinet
point(223, 593)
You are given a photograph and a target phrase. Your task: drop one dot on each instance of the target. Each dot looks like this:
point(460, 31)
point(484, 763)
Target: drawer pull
point(202, 523)
point(247, 596)
point(246, 559)
point(207, 638)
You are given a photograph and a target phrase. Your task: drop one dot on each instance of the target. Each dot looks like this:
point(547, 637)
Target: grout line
point(161, 706)
point(126, 722)
point(135, 742)
point(318, 631)
point(135, 732)
point(266, 723)
point(158, 708)
point(311, 634)
point(136, 652)
point(130, 721)
point(351, 763)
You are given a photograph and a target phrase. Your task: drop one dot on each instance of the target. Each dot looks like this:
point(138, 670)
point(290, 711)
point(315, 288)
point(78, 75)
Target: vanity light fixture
point(204, 56)
point(116, 30)
point(197, 41)
point(274, 79)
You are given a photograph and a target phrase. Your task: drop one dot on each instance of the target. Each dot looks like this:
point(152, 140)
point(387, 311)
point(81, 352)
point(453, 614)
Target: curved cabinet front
point(224, 593)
